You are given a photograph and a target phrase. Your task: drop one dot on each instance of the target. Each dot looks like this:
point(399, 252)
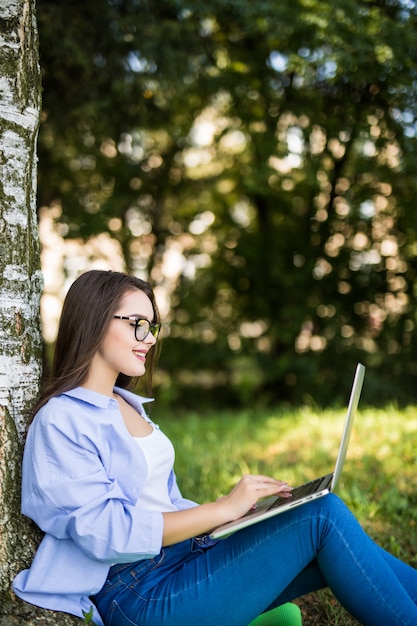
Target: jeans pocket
point(116, 617)
point(134, 572)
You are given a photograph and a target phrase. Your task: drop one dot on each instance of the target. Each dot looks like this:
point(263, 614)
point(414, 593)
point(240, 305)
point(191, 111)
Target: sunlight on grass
point(214, 450)
point(379, 481)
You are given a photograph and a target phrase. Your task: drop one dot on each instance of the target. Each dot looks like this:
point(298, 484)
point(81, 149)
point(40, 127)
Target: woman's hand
point(181, 525)
point(249, 490)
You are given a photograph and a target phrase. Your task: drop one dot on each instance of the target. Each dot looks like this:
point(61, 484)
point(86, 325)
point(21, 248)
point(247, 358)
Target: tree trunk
point(20, 288)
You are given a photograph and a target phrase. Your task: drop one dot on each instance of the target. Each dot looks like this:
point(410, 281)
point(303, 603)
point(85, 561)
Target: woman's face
point(120, 352)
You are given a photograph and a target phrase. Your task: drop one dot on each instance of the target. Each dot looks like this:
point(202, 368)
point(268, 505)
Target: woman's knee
point(330, 508)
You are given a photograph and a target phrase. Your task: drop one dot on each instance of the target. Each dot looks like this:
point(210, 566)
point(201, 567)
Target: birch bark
point(20, 289)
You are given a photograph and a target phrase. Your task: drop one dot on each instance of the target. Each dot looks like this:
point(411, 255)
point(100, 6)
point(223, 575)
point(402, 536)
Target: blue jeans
point(306, 548)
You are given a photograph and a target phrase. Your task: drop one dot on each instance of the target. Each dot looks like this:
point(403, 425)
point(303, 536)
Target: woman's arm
point(84, 486)
point(181, 525)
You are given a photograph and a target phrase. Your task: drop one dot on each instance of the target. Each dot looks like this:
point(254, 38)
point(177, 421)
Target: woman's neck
point(100, 383)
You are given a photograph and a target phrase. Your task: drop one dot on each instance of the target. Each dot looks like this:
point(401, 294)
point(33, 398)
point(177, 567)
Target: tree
point(272, 147)
point(20, 288)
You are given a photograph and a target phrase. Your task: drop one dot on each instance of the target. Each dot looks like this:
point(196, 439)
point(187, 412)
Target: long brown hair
point(88, 308)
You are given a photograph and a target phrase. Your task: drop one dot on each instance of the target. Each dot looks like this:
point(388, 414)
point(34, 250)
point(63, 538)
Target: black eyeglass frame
point(153, 327)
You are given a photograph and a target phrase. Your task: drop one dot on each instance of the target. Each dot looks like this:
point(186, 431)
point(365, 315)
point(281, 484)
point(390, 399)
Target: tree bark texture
point(20, 289)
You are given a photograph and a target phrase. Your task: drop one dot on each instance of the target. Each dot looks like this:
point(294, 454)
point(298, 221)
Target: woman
point(119, 537)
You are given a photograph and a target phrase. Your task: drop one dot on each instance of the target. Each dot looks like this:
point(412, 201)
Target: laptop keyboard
point(298, 492)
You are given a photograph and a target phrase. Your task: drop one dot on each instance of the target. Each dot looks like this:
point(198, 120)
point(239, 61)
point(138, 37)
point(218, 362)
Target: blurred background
point(257, 162)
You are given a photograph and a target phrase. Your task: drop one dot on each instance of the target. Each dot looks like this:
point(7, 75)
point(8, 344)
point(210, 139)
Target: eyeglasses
point(142, 326)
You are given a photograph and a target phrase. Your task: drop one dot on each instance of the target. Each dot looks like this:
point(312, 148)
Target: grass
point(379, 482)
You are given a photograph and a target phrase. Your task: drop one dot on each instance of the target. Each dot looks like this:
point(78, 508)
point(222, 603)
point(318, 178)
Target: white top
point(159, 456)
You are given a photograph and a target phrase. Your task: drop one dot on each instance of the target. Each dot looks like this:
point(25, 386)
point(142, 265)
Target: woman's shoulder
point(73, 408)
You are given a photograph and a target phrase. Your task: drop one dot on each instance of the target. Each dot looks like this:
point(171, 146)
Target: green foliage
point(272, 148)
point(88, 617)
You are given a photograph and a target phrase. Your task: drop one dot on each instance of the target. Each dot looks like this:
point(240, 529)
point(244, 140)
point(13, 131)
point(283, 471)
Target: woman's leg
point(241, 576)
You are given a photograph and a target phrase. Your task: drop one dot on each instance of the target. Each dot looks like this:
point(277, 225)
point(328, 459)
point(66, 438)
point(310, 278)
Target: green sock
point(285, 615)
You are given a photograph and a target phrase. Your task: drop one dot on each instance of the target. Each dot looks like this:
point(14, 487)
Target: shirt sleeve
point(71, 492)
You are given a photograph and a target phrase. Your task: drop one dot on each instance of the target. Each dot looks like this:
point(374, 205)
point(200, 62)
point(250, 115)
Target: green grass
point(379, 481)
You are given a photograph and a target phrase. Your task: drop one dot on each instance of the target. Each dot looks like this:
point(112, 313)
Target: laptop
point(273, 505)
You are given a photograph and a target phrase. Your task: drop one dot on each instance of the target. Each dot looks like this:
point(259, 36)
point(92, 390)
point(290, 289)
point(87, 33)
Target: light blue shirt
point(82, 475)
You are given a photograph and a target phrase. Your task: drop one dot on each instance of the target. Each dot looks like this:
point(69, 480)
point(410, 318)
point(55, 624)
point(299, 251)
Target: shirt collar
point(102, 401)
